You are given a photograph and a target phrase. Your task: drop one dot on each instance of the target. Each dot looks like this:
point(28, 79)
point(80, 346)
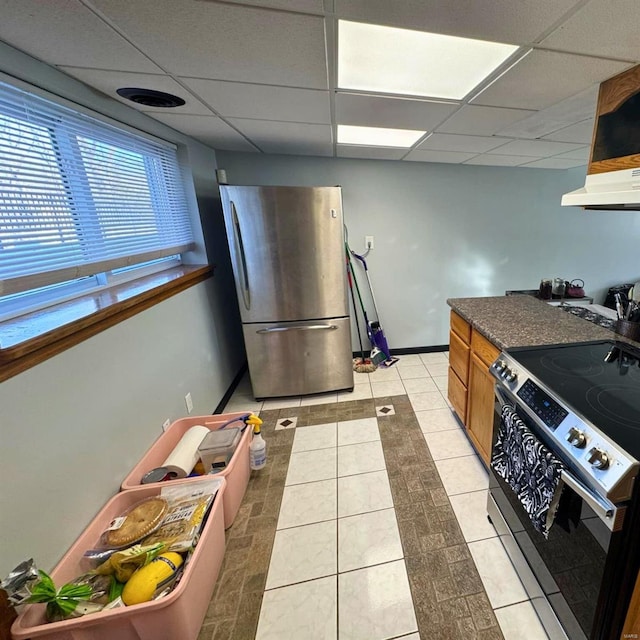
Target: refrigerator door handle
point(308, 327)
point(242, 267)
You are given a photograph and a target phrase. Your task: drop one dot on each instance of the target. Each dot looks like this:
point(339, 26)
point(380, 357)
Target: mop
point(376, 334)
point(376, 356)
point(362, 364)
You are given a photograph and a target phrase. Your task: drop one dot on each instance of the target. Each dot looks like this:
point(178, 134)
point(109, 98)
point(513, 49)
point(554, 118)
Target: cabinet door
point(480, 407)
point(459, 357)
point(457, 394)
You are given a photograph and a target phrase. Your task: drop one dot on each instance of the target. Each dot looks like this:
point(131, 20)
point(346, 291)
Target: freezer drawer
point(298, 358)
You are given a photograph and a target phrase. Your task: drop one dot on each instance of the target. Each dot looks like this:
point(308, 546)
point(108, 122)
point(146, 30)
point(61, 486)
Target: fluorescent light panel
point(377, 136)
point(417, 63)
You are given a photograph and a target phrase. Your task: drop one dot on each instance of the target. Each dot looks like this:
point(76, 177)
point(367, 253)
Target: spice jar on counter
point(545, 289)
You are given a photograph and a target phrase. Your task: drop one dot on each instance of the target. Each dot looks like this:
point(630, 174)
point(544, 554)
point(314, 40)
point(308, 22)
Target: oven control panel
point(542, 404)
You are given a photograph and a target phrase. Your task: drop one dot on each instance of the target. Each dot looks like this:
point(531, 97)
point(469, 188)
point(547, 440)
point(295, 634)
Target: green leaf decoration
point(60, 602)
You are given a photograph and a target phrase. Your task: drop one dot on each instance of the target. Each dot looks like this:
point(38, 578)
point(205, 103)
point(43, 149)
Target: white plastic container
point(217, 448)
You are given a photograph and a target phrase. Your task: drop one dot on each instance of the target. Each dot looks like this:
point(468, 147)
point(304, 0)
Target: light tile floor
point(337, 568)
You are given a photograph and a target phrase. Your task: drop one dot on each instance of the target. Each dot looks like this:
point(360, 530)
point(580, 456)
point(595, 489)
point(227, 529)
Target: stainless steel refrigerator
point(287, 250)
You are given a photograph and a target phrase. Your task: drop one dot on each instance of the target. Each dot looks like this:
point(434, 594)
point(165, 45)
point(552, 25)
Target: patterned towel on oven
point(529, 468)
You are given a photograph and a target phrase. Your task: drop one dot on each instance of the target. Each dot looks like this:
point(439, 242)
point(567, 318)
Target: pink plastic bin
point(177, 616)
point(236, 473)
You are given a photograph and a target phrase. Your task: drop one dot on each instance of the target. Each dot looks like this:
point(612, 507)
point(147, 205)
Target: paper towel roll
point(185, 454)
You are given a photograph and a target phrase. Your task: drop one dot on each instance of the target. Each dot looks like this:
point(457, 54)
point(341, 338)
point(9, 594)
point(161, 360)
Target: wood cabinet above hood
point(613, 174)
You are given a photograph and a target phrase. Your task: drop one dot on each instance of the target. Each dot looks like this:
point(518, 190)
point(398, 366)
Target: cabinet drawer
point(461, 327)
point(457, 394)
point(481, 347)
point(459, 357)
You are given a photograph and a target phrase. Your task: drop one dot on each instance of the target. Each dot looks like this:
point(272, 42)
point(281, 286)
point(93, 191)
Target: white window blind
point(79, 196)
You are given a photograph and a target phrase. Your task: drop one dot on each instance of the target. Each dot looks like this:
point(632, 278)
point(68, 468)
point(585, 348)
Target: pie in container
point(138, 521)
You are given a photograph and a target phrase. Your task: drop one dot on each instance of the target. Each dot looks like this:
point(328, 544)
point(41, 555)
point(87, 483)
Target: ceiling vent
point(150, 97)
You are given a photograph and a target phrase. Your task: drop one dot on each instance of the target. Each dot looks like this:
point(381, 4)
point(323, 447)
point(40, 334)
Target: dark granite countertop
point(520, 321)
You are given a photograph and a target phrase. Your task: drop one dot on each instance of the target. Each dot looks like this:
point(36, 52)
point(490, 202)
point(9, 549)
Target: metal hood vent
point(611, 191)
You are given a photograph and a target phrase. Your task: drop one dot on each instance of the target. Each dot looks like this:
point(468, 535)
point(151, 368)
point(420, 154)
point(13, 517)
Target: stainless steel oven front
point(564, 573)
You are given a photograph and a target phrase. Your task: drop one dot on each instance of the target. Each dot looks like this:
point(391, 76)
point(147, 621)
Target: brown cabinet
point(632, 623)
point(470, 383)
point(616, 133)
point(480, 407)
point(459, 350)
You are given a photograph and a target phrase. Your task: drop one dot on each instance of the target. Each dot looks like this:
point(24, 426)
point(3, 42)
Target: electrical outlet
point(368, 242)
point(166, 424)
point(189, 402)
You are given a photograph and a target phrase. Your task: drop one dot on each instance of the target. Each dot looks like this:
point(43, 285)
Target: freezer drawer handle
point(308, 327)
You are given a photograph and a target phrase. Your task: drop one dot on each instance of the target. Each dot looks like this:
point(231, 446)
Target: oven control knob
point(500, 366)
point(598, 458)
point(576, 438)
point(511, 376)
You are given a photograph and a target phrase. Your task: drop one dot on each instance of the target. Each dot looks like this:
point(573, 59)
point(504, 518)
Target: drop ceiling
point(261, 75)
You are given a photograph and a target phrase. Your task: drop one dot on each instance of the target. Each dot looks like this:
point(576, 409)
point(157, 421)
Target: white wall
point(73, 427)
point(444, 231)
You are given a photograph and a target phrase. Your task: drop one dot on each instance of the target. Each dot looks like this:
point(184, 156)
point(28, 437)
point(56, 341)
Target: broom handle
point(373, 298)
point(355, 311)
point(364, 312)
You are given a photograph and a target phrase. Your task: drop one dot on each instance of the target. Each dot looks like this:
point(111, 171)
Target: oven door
point(563, 573)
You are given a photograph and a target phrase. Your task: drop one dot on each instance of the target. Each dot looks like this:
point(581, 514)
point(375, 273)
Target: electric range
point(582, 401)
point(588, 398)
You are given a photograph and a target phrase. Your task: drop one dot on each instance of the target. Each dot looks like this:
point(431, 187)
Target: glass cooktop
point(598, 380)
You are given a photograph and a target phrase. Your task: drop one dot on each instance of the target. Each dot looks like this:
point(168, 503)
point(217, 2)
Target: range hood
point(613, 174)
point(612, 190)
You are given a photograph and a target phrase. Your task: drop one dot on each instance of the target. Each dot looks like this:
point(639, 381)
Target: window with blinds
point(80, 197)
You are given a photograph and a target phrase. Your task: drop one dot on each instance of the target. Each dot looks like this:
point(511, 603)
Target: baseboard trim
point(234, 385)
point(409, 350)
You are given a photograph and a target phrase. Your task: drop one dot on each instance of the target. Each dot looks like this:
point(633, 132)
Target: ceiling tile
point(496, 20)
point(287, 137)
point(374, 153)
point(537, 148)
point(263, 102)
point(553, 163)
point(65, 32)
point(396, 113)
point(496, 160)
point(306, 6)
point(109, 81)
point(584, 153)
point(543, 78)
point(481, 121)
point(451, 157)
point(208, 129)
point(605, 28)
point(562, 114)
point(451, 142)
point(581, 132)
point(226, 42)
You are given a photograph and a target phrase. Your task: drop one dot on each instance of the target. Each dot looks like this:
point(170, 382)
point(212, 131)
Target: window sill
point(33, 338)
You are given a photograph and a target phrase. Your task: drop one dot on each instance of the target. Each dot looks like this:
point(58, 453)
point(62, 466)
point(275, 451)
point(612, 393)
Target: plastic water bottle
point(257, 450)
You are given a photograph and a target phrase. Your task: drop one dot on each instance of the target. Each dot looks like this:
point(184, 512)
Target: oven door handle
point(608, 512)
